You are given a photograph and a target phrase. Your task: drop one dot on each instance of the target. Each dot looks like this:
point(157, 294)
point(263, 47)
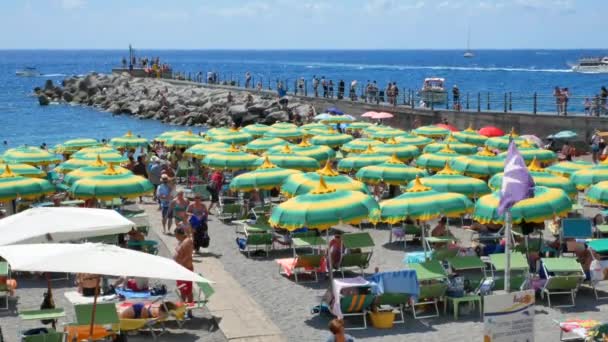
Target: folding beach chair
point(36, 315)
point(105, 316)
point(396, 289)
point(357, 305)
point(600, 246)
point(184, 169)
point(230, 212)
point(355, 260)
point(520, 270)
point(564, 275)
point(433, 285)
point(471, 268)
point(302, 264)
point(257, 241)
point(5, 292)
point(442, 254)
point(575, 228)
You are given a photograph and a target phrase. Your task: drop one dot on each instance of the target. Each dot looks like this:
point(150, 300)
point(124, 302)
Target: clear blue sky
point(303, 24)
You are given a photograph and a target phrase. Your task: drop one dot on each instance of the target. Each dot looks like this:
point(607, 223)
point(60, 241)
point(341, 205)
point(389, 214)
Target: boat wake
point(424, 67)
point(52, 75)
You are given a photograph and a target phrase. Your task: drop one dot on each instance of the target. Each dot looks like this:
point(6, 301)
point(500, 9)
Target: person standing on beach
point(301, 84)
point(164, 195)
point(183, 256)
point(154, 173)
point(247, 79)
point(324, 86)
point(456, 97)
point(565, 98)
point(341, 86)
point(315, 85)
point(330, 86)
point(395, 93)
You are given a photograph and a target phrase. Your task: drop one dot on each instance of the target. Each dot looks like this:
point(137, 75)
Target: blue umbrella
point(334, 110)
point(564, 135)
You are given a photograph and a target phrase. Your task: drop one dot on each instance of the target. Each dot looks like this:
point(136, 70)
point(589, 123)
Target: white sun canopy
point(94, 258)
point(59, 224)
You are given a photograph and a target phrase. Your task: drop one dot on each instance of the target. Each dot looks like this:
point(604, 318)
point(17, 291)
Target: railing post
point(432, 103)
point(534, 103)
point(478, 102)
point(467, 104)
point(506, 103)
point(488, 101)
point(305, 87)
point(510, 102)
point(447, 101)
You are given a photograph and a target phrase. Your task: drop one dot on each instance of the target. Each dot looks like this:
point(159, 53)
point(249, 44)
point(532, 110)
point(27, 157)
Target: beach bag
point(597, 273)
point(205, 239)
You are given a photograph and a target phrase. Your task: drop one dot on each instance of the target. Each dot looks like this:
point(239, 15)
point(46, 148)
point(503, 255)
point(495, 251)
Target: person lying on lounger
point(144, 310)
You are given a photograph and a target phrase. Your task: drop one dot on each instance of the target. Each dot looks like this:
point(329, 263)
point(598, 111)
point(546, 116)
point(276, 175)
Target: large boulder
point(114, 108)
point(238, 110)
point(149, 105)
point(48, 85)
point(273, 117)
point(67, 96)
point(44, 100)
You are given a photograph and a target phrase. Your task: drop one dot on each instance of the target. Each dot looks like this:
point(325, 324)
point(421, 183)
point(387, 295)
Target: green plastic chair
point(564, 276)
point(356, 306)
point(254, 241)
point(397, 301)
point(357, 240)
point(355, 260)
point(519, 270)
point(105, 314)
point(443, 254)
point(430, 293)
point(230, 212)
point(51, 336)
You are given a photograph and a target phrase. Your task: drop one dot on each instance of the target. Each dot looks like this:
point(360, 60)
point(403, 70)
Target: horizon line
point(302, 49)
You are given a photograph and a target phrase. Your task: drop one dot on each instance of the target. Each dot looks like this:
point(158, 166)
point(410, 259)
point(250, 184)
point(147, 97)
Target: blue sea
point(520, 72)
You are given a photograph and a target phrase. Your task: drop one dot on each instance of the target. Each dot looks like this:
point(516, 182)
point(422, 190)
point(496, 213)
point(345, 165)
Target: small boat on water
point(594, 65)
point(468, 52)
point(433, 91)
point(28, 72)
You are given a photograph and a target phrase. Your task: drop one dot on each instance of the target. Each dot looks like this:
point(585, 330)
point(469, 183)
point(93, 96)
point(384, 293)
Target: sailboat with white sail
point(468, 53)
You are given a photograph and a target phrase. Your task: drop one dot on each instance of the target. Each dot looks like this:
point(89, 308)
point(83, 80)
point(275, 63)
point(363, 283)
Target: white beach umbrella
point(59, 224)
point(94, 258)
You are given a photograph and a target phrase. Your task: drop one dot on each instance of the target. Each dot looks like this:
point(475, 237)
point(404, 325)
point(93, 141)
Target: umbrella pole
point(94, 309)
point(49, 291)
point(508, 251)
point(423, 228)
point(329, 263)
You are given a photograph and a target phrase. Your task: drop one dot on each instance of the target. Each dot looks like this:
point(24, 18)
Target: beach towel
point(402, 281)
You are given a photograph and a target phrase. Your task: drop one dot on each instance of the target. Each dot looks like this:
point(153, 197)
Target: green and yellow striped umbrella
point(24, 170)
point(384, 134)
point(422, 203)
point(113, 158)
point(230, 159)
point(199, 151)
point(483, 164)
point(357, 125)
point(436, 161)
point(366, 158)
point(111, 184)
point(323, 208)
point(541, 178)
point(184, 140)
point(166, 135)
point(529, 152)
point(263, 144)
point(448, 180)
point(470, 136)
point(331, 139)
point(393, 171)
point(359, 145)
point(587, 177)
point(287, 159)
point(283, 125)
point(129, 141)
point(546, 204)
point(233, 137)
point(315, 126)
point(13, 186)
point(97, 150)
point(266, 177)
point(320, 153)
point(502, 143)
point(336, 119)
point(567, 168)
point(303, 183)
point(432, 131)
point(287, 133)
point(90, 171)
point(217, 131)
point(598, 193)
point(29, 155)
point(461, 148)
point(74, 145)
point(403, 151)
point(416, 140)
point(256, 130)
point(374, 127)
point(75, 164)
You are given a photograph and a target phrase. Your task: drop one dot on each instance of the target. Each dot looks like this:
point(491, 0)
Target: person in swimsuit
point(197, 217)
point(178, 207)
point(144, 310)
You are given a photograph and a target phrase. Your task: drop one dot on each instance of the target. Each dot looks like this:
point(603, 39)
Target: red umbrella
point(491, 131)
point(447, 126)
point(369, 114)
point(381, 115)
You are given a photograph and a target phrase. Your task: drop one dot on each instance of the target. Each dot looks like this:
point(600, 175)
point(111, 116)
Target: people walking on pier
point(324, 86)
point(330, 87)
point(565, 98)
point(341, 90)
point(603, 98)
point(456, 97)
point(557, 93)
point(395, 93)
point(301, 84)
point(315, 85)
point(247, 79)
point(353, 90)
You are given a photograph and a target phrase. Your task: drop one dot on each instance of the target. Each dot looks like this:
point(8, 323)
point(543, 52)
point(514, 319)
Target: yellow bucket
point(382, 319)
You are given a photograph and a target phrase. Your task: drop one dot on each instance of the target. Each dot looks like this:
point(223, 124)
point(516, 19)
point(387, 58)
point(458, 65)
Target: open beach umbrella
point(483, 164)
point(98, 150)
point(13, 186)
point(416, 140)
point(436, 161)
point(166, 135)
point(393, 172)
point(432, 131)
point(230, 159)
point(266, 177)
point(320, 153)
point(199, 151)
point(73, 145)
point(546, 204)
point(541, 177)
point(598, 193)
point(384, 133)
point(359, 145)
point(404, 152)
point(283, 125)
point(567, 168)
point(113, 158)
point(287, 159)
point(530, 152)
point(587, 177)
point(111, 184)
point(24, 170)
point(216, 131)
point(322, 208)
point(331, 139)
point(470, 136)
point(90, 171)
point(448, 180)
point(336, 119)
point(356, 161)
point(491, 131)
point(29, 155)
point(287, 133)
point(449, 127)
point(256, 130)
point(39, 225)
point(502, 142)
point(368, 114)
point(377, 127)
point(303, 183)
point(334, 111)
point(184, 140)
point(263, 144)
point(233, 137)
point(129, 141)
point(381, 116)
point(456, 145)
point(75, 164)
point(563, 135)
point(357, 125)
point(420, 202)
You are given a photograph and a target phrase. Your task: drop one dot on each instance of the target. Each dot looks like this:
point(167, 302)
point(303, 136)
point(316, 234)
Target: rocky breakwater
point(180, 104)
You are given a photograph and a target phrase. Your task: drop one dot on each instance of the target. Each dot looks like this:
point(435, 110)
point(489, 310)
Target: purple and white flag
point(517, 184)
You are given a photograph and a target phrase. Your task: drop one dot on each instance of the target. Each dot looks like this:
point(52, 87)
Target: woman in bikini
point(144, 310)
point(197, 217)
point(178, 207)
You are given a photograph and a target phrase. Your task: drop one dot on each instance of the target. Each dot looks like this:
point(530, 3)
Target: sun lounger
point(46, 314)
point(257, 241)
point(230, 212)
point(431, 241)
point(519, 270)
point(600, 246)
point(395, 289)
point(357, 240)
point(355, 260)
point(442, 254)
point(564, 275)
point(205, 292)
point(302, 264)
point(105, 316)
point(315, 243)
point(357, 305)
point(469, 267)
point(433, 285)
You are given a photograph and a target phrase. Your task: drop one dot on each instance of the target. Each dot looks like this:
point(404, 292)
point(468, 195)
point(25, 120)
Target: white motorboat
point(28, 72)
point(433, 91)
point(595, 65)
